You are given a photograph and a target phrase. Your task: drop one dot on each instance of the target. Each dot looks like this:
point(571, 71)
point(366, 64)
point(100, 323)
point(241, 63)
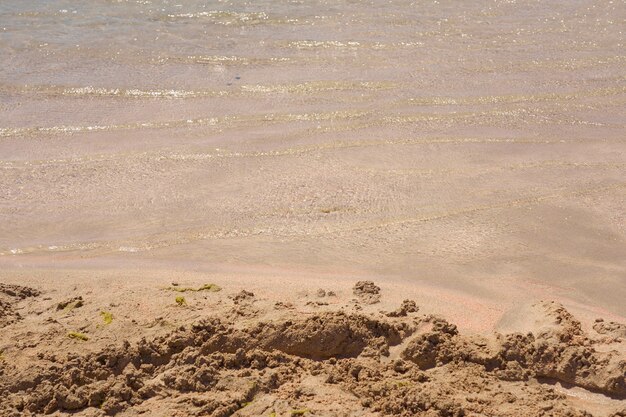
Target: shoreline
point(475, 307)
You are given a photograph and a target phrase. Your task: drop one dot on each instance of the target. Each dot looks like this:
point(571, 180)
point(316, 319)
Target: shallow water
point(447, 141)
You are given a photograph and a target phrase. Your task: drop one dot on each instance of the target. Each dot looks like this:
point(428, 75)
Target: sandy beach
point(220, 208)
point(163, 343)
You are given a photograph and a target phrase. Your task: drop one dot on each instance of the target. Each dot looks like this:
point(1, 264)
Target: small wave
point(224, 17)
point(516, 98)
point(295, 88)
point(310, 44)
point(323, 44)
point(317, 86)
point(221, 122)
point(128, 249)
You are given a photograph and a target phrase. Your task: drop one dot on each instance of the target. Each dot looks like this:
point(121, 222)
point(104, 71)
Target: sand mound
point(331, 364)
point(564, 353)
point(10, 295)
point(367, 292)
point(407, 306)
point(191, 360)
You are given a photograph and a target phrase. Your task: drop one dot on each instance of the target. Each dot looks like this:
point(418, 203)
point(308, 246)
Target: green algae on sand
point(78, 336)
point(107, 317)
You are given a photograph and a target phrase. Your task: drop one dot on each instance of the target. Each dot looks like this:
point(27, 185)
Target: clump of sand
point(610, 328)
point(330, 363)
point(408, 306)
point(367, 292)
point(9, 296)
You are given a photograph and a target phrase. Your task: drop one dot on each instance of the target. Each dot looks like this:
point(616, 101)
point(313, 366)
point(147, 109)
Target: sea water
point(431, 138)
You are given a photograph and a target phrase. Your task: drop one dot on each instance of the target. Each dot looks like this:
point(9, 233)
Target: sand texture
point(330, 352)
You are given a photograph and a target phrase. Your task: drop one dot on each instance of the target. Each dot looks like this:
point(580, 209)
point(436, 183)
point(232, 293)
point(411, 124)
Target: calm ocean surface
point(424, 48)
